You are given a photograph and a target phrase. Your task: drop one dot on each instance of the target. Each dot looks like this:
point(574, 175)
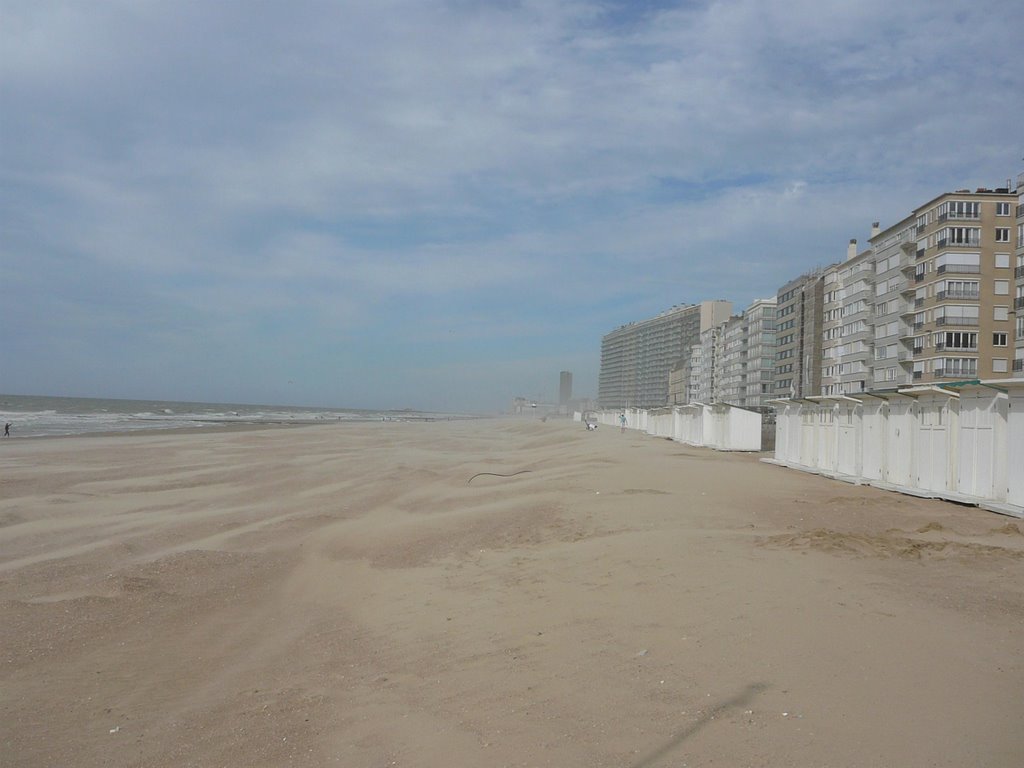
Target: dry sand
point(340, 595)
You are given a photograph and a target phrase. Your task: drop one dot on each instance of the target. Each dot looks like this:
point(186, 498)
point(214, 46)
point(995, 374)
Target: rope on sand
point(495, 474)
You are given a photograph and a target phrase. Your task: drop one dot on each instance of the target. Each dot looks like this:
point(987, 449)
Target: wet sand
point(343, 595)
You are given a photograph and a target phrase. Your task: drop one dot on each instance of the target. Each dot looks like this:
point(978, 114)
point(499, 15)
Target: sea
point(37, 416)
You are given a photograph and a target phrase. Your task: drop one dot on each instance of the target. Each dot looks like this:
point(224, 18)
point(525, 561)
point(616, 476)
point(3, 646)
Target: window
point(998, 339)
point(1002, 234)
point(1002, 261)
point(961, 263)
point(1002, 288)
point(999, 365)
point(957, 366)
point(959, 209)
point(954, 314)
point(960, 236)
point(959, 289)
point(956, 340)
point(1020, 326)
point(1002, 209)
point(1001, 313)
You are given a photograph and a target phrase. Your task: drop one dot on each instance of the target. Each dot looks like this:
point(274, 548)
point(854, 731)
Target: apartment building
point(1018, 291)
point(848, 323)
point(963, 277)
point(759, 321)
point(895, 250)
point(694, 372)
point(798, 321)
point(678, 382)
point(831, 320)
point(707, 384)
point(735, 360)
point(636, 359)
point(732, 360)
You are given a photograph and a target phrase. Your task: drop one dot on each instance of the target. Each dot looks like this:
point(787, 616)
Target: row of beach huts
point(960, 441)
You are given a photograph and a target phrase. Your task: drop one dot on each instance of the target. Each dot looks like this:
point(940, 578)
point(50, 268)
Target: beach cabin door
point(899, 443)
point(873, 420)
point(931, 447)
point(977, 459)
point(849, 417)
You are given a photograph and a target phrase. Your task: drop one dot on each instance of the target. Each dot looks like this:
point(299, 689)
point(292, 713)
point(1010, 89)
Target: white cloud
point(488, 168)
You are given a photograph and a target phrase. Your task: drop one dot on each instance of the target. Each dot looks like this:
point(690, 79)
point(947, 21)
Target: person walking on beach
point(7, 429)
point(622, 423)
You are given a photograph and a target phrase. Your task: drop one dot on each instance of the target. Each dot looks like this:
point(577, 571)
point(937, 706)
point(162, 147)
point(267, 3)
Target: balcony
point(968, 321)
point(918, 374)
point(959, 269)
point(908, 246)
point(1018, 365)
point(918, 326)
point(918, 277)
point(1019, 271)
point(921, 228)
point(943, 347)
point(917, 351)
point(1020, 211)
point(945, 242)
point(944, 295)
point(919, 253)
point(955, 373)
point(918, 302)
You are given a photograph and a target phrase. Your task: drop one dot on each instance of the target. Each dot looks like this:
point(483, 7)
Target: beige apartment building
point(1018, 292)
point(963, 279)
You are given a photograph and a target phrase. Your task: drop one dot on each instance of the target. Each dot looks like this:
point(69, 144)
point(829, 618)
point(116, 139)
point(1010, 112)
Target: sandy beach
point(344, 595)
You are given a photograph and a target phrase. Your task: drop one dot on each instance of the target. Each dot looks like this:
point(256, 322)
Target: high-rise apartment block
point(1018, 290)
point(935, 297)
point(847, 323)
point(759, 372)
point(895, 252)
point(733, 363)
point(798, 327)
point(564, 387)
point(636, 359)
point(962, 278)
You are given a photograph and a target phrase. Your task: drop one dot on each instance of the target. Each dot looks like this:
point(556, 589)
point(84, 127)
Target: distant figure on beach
point(7, 429)
point(622, 423)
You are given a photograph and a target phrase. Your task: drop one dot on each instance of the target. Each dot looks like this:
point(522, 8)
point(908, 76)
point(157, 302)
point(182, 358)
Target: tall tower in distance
point(564, 387)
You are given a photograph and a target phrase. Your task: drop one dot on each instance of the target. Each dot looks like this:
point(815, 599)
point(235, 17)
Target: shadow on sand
point(741, 699)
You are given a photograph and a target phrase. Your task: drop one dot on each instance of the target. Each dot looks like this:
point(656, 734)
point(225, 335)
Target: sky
point(442, 204)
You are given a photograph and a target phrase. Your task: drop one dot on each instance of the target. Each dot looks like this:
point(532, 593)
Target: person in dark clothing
point(7, 429)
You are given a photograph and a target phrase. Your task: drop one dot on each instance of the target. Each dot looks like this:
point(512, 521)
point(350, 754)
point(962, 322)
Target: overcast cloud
point(416, 203)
